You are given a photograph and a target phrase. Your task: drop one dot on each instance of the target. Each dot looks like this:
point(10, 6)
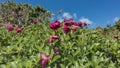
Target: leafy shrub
point(81, 48)
point(19, 14)
point(66, 44)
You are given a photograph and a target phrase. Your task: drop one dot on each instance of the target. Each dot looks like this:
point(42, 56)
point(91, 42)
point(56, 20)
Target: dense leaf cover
point(66, 44)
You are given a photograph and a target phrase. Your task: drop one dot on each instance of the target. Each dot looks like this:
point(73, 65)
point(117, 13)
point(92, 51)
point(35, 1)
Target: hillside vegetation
point(29, 40)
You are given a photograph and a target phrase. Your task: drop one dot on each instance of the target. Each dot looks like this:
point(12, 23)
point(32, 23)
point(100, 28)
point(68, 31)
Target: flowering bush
point(69, 46)
point(66, 44)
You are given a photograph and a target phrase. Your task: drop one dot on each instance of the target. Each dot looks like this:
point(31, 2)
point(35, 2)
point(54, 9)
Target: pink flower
point(55, 25)
point(35, 21)
point(116, 36)
point(10, 27)
point(75, 23)
point(85, 24)
point(74, 27)
point(80, 24)
point(68, 22)
point(56, 51)
point(18, 30)
point(44, 60)
point(66, 29)
point(53, 38)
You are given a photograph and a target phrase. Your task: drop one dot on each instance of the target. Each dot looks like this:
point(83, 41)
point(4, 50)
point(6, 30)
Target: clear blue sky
point(100, 12)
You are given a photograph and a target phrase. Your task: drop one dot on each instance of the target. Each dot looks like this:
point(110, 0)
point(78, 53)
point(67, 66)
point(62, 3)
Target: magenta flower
point(116, 36)
point(75, 23)
point(53, 38)
point(10, 27)
point(85, 24)
point(35, 21)
point(80, 24)
point(18, 30)
point(56, 51)
point(66, 29)
point(55, 25)
point(74, 27)
point(68, 22)
point(44, 60)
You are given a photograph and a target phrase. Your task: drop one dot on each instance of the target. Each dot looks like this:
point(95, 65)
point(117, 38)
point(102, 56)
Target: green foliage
point(83, 48)
point(117, 25)
point(20, 14)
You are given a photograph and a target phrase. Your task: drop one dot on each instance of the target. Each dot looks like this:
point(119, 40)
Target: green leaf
point(55, 58)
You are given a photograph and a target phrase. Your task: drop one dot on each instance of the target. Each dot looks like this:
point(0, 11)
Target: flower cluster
point(44, 60)
point(68, 25)
point(116, 36)
point(72, 25)
point(35, 21)
point(18, 30)
point(11, 28)
point(53, 38)
point(55, 25)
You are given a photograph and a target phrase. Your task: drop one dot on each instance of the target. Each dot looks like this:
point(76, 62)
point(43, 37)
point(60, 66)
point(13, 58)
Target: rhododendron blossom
point(53, 38)
point(80, 24)
point(10, 27)
point(18, 30)
point(74, 27)
point(116, 36)
point(35, 21)
point(75, 24)
point(55, 25)
point(85, 24)
point(44, 60)
point(68, 22)
point(66, 29)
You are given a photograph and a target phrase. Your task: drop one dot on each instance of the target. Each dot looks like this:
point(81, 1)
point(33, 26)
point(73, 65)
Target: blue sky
point(96, 12)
